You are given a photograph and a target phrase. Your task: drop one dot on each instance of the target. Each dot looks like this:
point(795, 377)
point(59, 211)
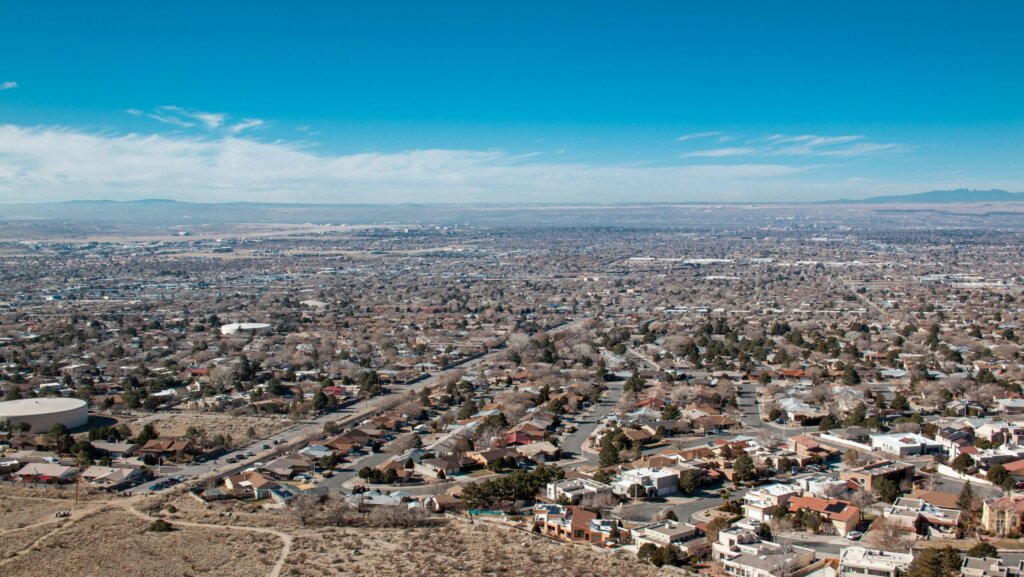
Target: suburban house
point(46, 473)
point(487, 457)
point(573, 524)
point(906, 444)
point(843, 516)
point(867, 475)
point(286, 467)
point(653, 482)
point(117, 450)
point(759, 504)
point(166, 448)
point(1003, 515)
point(1001, 433)
point(442, 467)
point(573, 490)
point(111, 477)
point(742, 554)
point(807, 447)
point(861, 562)
point(690, 539)
point(540, 452)
point(986, 567)
point(250, 484)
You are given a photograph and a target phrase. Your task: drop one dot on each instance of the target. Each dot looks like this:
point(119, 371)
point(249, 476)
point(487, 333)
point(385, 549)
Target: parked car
point(854, 535)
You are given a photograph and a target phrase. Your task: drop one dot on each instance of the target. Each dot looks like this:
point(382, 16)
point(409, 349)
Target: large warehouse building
point(43, 413)
point(254, 328)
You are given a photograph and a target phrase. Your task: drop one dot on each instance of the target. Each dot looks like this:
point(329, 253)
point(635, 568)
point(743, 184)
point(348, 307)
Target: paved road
point(292, 437)
point(573, 444)
point(746, 398)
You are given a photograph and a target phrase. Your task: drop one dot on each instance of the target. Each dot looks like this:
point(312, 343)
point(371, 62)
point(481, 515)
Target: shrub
point(160, 526)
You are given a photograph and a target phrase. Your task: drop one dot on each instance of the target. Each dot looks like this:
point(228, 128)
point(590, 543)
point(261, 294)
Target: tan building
point(867, 475)
point(1003, 515)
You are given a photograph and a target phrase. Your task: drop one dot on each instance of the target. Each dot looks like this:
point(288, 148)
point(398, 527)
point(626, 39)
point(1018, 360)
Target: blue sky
point(517, 101)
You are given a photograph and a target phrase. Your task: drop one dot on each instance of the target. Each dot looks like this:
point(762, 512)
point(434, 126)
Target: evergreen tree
point(965, 502)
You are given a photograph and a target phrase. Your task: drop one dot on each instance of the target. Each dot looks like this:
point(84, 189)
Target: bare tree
point(336, 511)
point(404, 444)
point(304, 507)
point(888, 535)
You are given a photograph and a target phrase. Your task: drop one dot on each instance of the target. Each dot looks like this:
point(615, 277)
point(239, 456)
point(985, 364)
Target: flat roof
point(40, 406)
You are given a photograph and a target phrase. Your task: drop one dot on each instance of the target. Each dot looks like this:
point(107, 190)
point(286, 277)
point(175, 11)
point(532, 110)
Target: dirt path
point(286, 539)
point(76, 516)
point(128, 505)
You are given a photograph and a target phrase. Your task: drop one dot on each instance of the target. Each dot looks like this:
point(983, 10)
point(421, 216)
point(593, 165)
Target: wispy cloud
point(53, 163)
point(208, 119)
point(245, 124)
point(188, 117)
point(838, 146)
point(697, 135)
point(720, 152)
point(8, 85)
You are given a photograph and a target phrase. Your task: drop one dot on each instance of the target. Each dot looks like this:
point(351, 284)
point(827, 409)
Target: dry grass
point(175, 424)
point(240, 513)
point(13, 542)
point(64, 493)
point(453, 549)
point(18, 512)
point(112, 542)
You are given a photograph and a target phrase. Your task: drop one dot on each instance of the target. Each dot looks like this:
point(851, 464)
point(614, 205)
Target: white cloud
point(840, 146)
point(8, 85)
point(186, 117)
point(245, 124)
point(696, 135)
point(51, 164)
point(720, 152)
point(209, 119)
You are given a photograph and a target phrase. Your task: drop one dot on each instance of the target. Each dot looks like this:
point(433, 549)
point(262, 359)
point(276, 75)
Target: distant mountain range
point(941, 196)
point(959, 195)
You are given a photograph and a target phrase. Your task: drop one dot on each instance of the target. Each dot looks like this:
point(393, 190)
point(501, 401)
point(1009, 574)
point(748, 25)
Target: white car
point(854, 535)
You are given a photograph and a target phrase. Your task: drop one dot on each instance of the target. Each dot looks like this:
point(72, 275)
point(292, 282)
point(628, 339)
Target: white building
point(905, 444)
point(252, 328)
point(743, 555)
point(43, 413)
point(761, 502)
point(575, 489)
point(858, 562)
point(688, 538)
point(655, 482)
point(822, 486)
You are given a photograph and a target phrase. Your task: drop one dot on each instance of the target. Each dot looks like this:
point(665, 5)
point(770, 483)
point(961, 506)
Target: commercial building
point(250, 328)
point(43, 413)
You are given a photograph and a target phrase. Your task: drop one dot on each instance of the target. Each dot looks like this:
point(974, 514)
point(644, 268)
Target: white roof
point(42, 406)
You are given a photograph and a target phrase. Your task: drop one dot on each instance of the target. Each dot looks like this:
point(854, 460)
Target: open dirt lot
point(113, 542)
point(106, 538)
point(20, 512)
point(455, 549)
point(175, 424)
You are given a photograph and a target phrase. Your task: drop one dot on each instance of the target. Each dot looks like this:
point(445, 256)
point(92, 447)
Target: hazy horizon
point(464, 103)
